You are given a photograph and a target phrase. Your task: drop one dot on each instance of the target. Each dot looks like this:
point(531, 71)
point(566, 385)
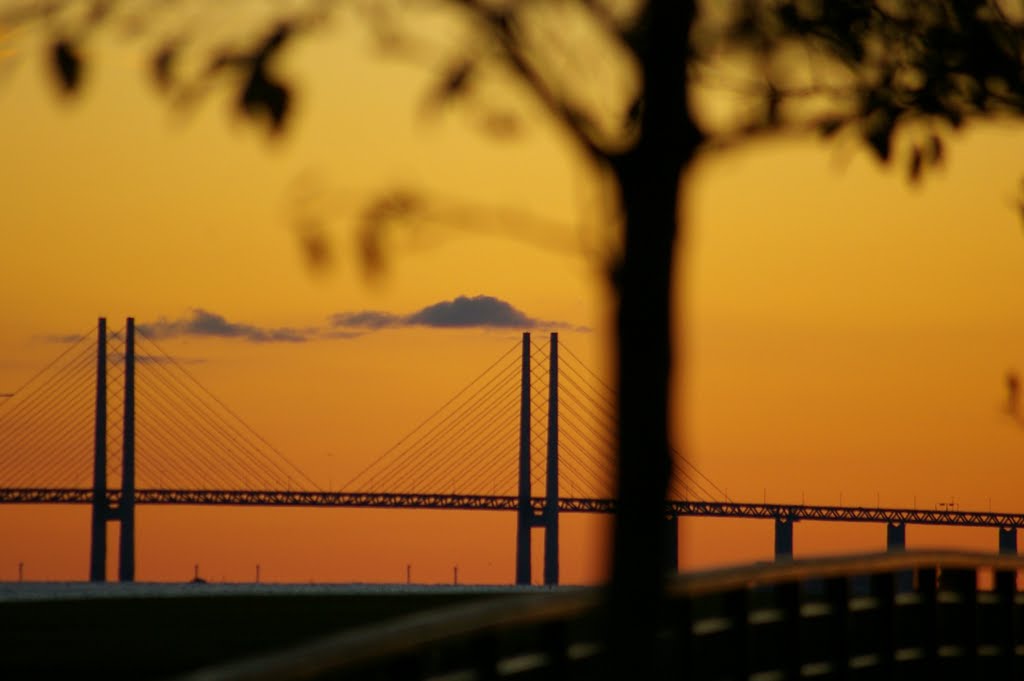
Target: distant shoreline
point(59, 591)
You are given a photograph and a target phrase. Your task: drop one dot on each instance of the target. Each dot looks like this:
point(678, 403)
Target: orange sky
point(847, 334)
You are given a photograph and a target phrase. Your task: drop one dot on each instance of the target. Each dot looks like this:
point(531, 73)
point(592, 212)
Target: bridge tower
point(103, 510)
point(547, 516)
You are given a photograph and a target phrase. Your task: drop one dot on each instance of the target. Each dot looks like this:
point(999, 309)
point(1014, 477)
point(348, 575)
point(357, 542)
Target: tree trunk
point(649, 182)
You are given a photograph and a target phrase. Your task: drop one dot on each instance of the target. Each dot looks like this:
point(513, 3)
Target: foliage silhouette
point(883, 71)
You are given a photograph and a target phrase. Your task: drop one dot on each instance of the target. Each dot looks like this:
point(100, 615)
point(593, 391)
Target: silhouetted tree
point(881, 70)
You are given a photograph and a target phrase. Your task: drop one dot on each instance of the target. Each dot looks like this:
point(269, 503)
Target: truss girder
point(510, 503)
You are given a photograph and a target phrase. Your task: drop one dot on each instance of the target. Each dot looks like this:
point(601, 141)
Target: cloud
point(118, 358)
point(210, 324)
point(62, 338)
point(366, 319)
point(481, 312)
point(485, 312)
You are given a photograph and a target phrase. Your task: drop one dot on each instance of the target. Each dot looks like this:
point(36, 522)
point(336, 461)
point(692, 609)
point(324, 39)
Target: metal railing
point(913, 615)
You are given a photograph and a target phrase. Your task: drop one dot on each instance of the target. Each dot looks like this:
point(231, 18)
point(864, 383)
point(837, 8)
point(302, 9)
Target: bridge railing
point(914, 615)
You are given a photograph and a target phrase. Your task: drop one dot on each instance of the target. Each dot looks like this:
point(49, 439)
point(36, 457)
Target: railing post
point(928, 619)
point(882, 588)
point(837, 595)
point(1008, 627)
point(958, 599)
point(524, 514)
point(783, 538)
point(126, 561)
point(98, 539)
point(551, 503)
point(671, 560)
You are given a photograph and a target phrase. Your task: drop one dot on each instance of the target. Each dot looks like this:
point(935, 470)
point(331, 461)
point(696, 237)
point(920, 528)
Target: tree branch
point(502, 26)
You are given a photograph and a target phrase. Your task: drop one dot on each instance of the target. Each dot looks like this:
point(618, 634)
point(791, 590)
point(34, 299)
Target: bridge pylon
point(545, 517)
point(100, 511)
point(524, 513)
point(103, 511)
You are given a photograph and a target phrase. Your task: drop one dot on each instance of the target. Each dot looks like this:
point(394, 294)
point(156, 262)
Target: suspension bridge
point(114, 406)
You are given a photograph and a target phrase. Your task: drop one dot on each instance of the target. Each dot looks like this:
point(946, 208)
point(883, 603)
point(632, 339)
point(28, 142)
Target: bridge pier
point(783, 538)
point(895, 537)
point(1008, 541)
point(896, 542)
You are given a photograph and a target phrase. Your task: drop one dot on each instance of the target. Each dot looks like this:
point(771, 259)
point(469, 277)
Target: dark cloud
point(366, 319)
point(482, 312)
point(485, 312)
point(341, 334)
point(62, 338)
point(118, 358)
point(204, 323)
point(477, 311)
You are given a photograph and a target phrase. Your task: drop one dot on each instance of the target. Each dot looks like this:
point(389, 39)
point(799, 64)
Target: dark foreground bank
point(74, 633)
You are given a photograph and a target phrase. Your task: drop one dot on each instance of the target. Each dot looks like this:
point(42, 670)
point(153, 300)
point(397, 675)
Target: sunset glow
point(844, 335)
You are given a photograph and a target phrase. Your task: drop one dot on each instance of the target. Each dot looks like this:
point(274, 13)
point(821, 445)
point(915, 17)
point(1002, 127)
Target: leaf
point(315, 244)
point(935, 150)
point(275, 40)
point(67, 65)
point(264, 97)
point(163, 65)
point(916, 159)
point(501, 124)
point(879, 133)
point(456, 81)
point(878, 139)
point(830, 126)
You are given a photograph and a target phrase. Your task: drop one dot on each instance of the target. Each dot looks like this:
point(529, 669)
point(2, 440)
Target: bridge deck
point(677, 508)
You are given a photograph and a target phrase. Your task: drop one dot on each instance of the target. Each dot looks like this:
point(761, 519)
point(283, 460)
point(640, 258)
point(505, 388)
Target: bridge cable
point(39, 422)
point(431, 417)
point(480, 465)
point(206, 435)
point(443, 432)
point(409, 462)
point(199, 434)
point(45, 398)
point(219, 434)
point(393, 456)
point(46, 368)
point(493, 409)
point(237, 419)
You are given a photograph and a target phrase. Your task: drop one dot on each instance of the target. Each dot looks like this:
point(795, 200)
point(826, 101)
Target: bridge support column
point(98, 539)
point(671, 559)
point(1008, 541)
point(524, 514)
point(895, 537)
point(126, 558)
point(783, 538)
point(551, 502)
